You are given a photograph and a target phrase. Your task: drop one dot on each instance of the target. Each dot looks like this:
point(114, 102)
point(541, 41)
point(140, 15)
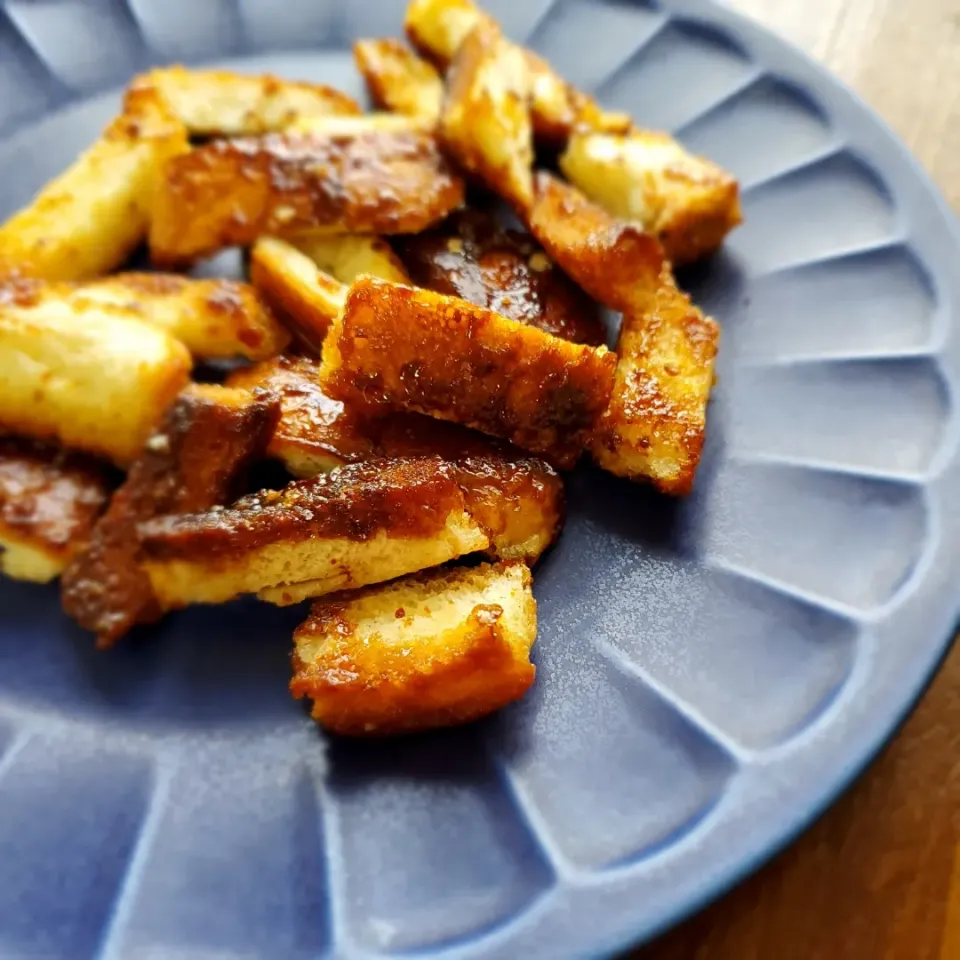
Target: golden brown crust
point(211, 317)
point(406, 499)
point(307, 299)
point(472, 257)
point(399, 80)
point(191, 463)
point(617, 263)
point(88, 220)
point(403, 348)
point(49, 501)
point(485, 120)
point(223, 103)
point(460, 649)
point(654, 427)
point(687, 202)
point(93, 379)
point(229, 192)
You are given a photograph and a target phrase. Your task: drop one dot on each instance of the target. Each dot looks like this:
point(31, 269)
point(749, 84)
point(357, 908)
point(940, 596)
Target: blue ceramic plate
point(711, 672)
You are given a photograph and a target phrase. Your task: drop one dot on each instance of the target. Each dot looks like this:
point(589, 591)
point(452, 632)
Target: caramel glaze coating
point(49, 498)
point(402, 348)
point(314, 430)
point(229, 192)
point(404, 498)
point(191, 463)
point(473, 257)
point(515, 504)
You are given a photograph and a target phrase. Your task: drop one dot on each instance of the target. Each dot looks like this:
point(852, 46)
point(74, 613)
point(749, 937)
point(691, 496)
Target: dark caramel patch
point(192, 462)
point(49, 498)
point(473, 257)
point(404, 498)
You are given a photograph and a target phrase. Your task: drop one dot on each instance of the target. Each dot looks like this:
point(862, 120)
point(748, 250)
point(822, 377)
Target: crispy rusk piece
point(315, 433)
point(191, 463)
point(305, 296)
point(230, 192)
point(399, 80)
point(212, 318)
point(222, 103)
point(516, 501)
point(437, 28)
point(485, 120)
point(360, 524)
point(654, 427)
point(49, 502)
point(88, 220)
point(403, 348)
point(93, 380)
point(345, 256)
point(616, 262)
point(431, 650)
point(471, 256)
point(689, 203)
point(365, 123)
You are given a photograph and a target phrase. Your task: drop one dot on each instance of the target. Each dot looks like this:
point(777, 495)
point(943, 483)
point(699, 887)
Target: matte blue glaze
point(711, 672)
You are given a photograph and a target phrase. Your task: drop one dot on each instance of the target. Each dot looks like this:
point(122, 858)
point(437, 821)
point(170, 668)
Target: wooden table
point(878, 878)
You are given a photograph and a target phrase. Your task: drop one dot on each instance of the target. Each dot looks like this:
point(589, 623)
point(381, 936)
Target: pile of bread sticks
point(420, 345)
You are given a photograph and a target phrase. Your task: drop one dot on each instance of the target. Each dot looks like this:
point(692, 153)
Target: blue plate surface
point(711, 672)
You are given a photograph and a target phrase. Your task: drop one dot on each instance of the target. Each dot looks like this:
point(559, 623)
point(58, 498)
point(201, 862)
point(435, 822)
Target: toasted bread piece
point(689, 203)
point(315, 433)
point(222, 103)
point(88, 220)
point(49, 501)
point(93, 380)
point(211, 318)
point(485, 121)
point(472, 257)
point(360, 524)
point(230, 192)
point(437, 28)
point(306, 297)
point(431, 650)
point(399, 80)
point(191, 463)
point(617, 263)
point(403, 348)
point(345, 256)
point(654, 427)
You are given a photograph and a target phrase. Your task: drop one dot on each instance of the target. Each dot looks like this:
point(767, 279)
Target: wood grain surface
point(878, 877)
